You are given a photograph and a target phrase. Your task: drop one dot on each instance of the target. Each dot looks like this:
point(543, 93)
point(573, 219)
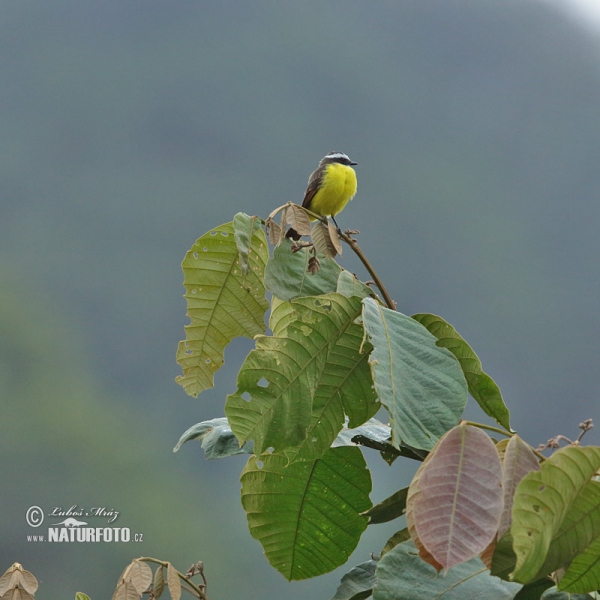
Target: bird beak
point(353, 163)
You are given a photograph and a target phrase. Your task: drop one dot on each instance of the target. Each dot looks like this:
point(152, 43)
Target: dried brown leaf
point(298, 219)
point(159, 582)
point(29, 582)
point(335, 237)
point(322, 241)
point(125, 591)
point(273, 231)
point(174, 582)
point(140, 576)
point(277, 210)
point(488, 553)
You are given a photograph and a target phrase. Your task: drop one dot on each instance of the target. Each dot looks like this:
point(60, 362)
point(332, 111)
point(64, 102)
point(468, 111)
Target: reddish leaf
point(519, 460)
point(458, 508)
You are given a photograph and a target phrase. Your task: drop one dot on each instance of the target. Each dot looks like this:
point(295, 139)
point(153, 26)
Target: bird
point(330, 187)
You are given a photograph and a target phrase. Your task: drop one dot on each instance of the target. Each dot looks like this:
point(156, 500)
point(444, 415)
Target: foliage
point(134, 582)
point(498, 517)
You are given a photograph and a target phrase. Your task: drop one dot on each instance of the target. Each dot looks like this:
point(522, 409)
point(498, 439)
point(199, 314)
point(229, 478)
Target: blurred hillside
point(130, 128)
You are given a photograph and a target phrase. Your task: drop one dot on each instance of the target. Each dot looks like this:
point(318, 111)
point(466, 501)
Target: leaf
point(140, 576)
point(542, 501)
point(481, 386)
point(81, 596)
point(307, 515)
point(345, 387)
point(334, 236)
point(373, 429)
point(126, 591)
point(457, 513)
point(534, 590)
point(580, 528)
point(277, 382)
point(217, 439)
point(173, 582)
point(159, 582)
point(391, 508)
point(583, 574)
point(398, 538)
point(401, 574)
point(421, 384)
point(287, 276)
point(357, 583)
point(553, 594)
point(273, 231)
point(222, 303)
point(244, 228)
point(322, 241)
point(297, 218)
point(349, 285)
point(519, 460)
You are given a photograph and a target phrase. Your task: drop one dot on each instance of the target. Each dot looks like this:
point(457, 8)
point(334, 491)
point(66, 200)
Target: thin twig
point(356, 249)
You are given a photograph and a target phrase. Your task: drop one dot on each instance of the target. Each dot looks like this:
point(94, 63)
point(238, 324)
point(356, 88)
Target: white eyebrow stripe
point(337, 155)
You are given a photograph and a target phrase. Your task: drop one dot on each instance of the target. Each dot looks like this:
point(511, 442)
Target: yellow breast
point(338, 188)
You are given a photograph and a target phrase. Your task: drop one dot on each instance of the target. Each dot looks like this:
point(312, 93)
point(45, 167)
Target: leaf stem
point(356, 249)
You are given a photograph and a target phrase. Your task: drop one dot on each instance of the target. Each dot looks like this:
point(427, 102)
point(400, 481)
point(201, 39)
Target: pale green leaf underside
point(542, 501)
point(278, 380)
point(481, 386)
point(358, 582)
point(222, 303)
point(307, 515)
point(287, 275)
point(421, 384)
point(402, 574)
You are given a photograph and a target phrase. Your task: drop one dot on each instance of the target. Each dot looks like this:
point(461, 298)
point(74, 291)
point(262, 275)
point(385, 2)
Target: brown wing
point(314, 183)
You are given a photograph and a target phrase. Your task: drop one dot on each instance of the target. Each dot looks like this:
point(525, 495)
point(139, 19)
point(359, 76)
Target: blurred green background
point(129, 128)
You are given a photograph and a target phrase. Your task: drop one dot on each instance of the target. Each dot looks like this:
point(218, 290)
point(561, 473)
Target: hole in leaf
point(260, 464)
point(194, 291)
point(213, 233)
point(246, 396)
point(205, 249)
point(224, 233)
point(271, 450)
point(195, 255)
point(262, 382)
point(208, 361)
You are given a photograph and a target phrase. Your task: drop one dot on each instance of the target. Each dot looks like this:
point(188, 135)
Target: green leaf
point(391, 508)
point(421, 384)
point(217, 439)
point(287, 275)
point(349, 285)
point(542, 501)
point(579, 529)
point(222, 302)
point(398, 538)
point(81, 596)
point(244, 228)
point(402, 574)
point(481, 385)
point(278, 380)
point(345, 387)
point(307, 515)
point(581, 525)
point(534, 590)
point(357, 584)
